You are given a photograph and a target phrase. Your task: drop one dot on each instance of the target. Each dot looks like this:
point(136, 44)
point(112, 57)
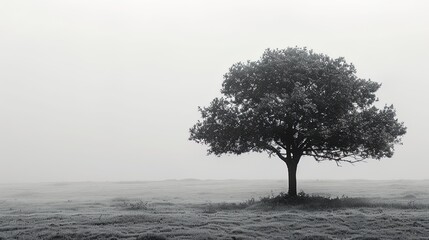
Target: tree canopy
point(294, 102)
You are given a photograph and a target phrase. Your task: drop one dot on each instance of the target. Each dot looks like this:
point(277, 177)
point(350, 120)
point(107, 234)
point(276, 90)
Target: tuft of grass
point(306, 201)
point(215, 207)
point(137, 205)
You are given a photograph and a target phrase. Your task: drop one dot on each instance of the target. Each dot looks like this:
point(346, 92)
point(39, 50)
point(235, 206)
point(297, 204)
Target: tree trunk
point(291, 167)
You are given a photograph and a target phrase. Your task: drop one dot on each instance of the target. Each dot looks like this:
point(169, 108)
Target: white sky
point(107, 90)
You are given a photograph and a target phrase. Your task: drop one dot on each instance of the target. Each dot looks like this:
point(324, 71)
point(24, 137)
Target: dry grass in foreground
point(178, 210)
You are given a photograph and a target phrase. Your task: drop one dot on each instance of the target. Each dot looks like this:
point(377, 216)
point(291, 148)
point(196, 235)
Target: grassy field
point(195, 209)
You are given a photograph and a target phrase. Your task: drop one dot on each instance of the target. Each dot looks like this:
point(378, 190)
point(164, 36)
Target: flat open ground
point(189, 209)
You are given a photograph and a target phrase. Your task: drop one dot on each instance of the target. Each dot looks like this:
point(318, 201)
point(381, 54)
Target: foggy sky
point(107, 90)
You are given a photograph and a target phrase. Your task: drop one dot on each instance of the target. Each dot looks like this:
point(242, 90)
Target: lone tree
point(293, 103)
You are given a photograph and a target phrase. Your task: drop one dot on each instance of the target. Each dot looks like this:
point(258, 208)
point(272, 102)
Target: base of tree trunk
point(292, 179)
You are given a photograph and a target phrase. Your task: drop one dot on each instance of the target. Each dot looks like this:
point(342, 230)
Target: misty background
point(107, 90)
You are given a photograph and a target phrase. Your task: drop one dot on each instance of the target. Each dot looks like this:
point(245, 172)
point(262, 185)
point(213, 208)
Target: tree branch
point(337, 156)
point(276, 151)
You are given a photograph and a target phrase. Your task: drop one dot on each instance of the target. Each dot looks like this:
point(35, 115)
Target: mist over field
point(107, 90)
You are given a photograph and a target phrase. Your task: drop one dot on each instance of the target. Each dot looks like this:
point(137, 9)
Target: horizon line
point(200, 179)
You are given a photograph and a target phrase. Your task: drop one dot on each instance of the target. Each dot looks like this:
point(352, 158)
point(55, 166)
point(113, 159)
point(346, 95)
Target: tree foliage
point(294, 102)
